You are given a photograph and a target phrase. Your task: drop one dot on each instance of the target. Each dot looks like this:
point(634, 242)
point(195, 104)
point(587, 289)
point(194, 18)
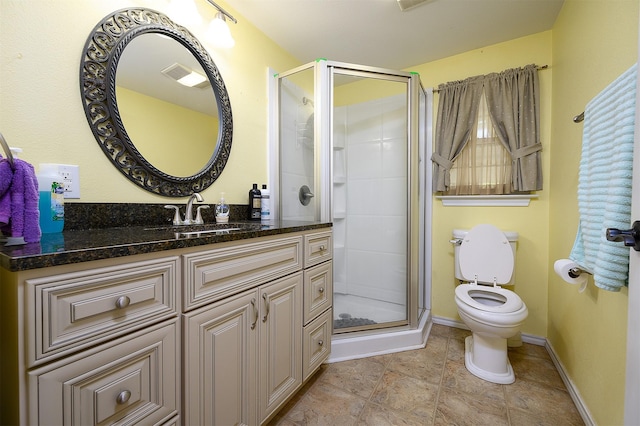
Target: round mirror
point(155, 102)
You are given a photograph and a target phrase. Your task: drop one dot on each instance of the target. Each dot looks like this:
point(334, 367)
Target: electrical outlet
point(71, 179)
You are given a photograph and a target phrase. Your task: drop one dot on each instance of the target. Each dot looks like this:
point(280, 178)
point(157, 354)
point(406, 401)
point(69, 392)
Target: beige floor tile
point(359, 376)
point(532, 368)
point(455, 350)
point(531, 350)
point(431, 386)
point(544, 402)
point(458, 408)
point(377, 415)
point(457, 378)
point(325, 405)
point(426, 364)
point(521, 418)
point(407, 394)
point(440, 330)
point(459, 333)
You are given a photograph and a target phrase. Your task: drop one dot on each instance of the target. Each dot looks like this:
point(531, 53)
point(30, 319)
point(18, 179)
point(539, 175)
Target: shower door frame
point(324, 72)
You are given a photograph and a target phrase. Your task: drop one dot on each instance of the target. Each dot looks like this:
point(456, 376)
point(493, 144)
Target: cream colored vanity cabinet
point(215, 334)
point(245, 353)
point(95, 342)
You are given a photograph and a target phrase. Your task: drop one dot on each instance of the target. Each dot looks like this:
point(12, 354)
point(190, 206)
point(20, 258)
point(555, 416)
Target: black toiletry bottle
point(255, 205)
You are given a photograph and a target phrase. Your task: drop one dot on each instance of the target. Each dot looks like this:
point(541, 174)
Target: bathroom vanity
point(161, 326)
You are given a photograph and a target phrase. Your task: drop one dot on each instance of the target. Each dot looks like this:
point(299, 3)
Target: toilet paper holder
point(576, 272)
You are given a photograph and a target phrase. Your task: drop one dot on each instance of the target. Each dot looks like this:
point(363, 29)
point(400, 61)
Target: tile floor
point(431, 386)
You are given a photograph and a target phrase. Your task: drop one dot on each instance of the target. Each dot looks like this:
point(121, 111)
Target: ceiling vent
point(185, 76)
point(410, 4)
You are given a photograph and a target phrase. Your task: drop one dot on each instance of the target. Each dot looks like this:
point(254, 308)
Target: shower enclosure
point(350, 144)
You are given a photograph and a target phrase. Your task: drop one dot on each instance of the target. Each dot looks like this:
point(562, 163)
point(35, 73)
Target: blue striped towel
point(604, 182)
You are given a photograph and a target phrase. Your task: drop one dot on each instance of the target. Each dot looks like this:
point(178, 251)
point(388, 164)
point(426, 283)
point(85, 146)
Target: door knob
point(630, 237)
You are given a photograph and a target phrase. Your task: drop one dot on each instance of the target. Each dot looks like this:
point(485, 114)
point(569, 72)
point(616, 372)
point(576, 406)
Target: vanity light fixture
point(218, 31)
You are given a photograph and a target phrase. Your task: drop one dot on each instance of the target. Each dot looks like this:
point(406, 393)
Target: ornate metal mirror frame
point(99, 63)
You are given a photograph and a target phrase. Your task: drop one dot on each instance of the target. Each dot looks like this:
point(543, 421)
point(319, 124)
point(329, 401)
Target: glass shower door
point(348, 154)
point(369, 194)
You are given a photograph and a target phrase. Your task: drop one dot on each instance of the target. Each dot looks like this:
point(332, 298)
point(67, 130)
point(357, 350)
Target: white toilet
point(484, 260)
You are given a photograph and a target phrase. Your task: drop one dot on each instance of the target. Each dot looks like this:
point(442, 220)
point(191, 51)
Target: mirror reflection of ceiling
point(141, 71)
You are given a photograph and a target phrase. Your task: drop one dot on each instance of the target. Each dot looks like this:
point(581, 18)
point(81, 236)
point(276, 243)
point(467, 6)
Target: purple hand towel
point(25, 216)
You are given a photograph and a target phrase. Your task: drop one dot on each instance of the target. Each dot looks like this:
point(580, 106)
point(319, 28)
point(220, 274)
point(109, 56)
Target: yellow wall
point(530, 222)
point(153, 123)
point(41, 109)
point(593, 43)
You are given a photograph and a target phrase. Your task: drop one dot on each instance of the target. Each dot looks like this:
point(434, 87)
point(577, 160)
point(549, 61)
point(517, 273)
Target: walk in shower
point(351, 149)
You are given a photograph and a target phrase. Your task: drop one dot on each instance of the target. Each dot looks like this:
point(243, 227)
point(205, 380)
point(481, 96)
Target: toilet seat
point(500, 299)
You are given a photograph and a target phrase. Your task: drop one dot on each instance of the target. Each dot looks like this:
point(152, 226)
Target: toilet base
point(504, 376)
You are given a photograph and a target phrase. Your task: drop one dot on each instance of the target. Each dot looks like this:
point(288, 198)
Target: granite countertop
point(77, 246)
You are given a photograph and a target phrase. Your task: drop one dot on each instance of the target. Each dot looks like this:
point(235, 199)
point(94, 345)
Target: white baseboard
point(573, 391)
point(540, 341)
point(366, 345)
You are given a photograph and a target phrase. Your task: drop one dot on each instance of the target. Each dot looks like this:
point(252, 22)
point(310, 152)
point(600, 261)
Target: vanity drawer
point(316, 343)
point(132, 380)
point(318, 290)
point(78, 309)
point(215, 274)
point(318, 248)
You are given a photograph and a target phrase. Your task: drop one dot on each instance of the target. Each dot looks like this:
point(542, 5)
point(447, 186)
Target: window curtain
point(513, 103)
point(457, 113)
point(484, 165)
point(513, 99)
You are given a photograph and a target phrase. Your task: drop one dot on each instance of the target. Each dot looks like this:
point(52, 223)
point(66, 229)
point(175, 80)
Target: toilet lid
point(486, 255)
point(506, 301)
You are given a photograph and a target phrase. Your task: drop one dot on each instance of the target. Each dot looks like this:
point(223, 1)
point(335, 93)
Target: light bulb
point(219, 33)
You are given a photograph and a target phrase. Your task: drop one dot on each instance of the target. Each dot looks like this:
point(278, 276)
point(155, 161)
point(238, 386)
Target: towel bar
point(579, 118)
point(7, 150)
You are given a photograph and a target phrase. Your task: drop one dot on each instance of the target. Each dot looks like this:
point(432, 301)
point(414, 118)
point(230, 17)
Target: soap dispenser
point(222, 210)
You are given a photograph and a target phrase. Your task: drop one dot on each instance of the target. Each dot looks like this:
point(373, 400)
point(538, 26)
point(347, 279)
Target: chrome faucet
point(188, 215)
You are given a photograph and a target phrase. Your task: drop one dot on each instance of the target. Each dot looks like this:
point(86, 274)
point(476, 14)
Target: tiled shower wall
point(374, 193)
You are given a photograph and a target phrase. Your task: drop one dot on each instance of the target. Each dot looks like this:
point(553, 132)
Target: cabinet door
point(220, 377)
point(280, 342)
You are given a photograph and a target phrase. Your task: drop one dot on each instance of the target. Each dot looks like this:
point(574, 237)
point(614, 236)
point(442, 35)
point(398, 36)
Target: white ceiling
point(377, 33)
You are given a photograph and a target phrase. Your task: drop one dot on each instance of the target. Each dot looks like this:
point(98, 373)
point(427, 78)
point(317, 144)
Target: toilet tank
point(458, 236)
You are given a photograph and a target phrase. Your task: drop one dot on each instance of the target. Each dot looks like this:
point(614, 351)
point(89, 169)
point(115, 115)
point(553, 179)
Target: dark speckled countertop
point(83, 245)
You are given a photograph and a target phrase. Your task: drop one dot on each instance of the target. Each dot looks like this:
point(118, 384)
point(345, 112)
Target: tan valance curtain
point(513, 101)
